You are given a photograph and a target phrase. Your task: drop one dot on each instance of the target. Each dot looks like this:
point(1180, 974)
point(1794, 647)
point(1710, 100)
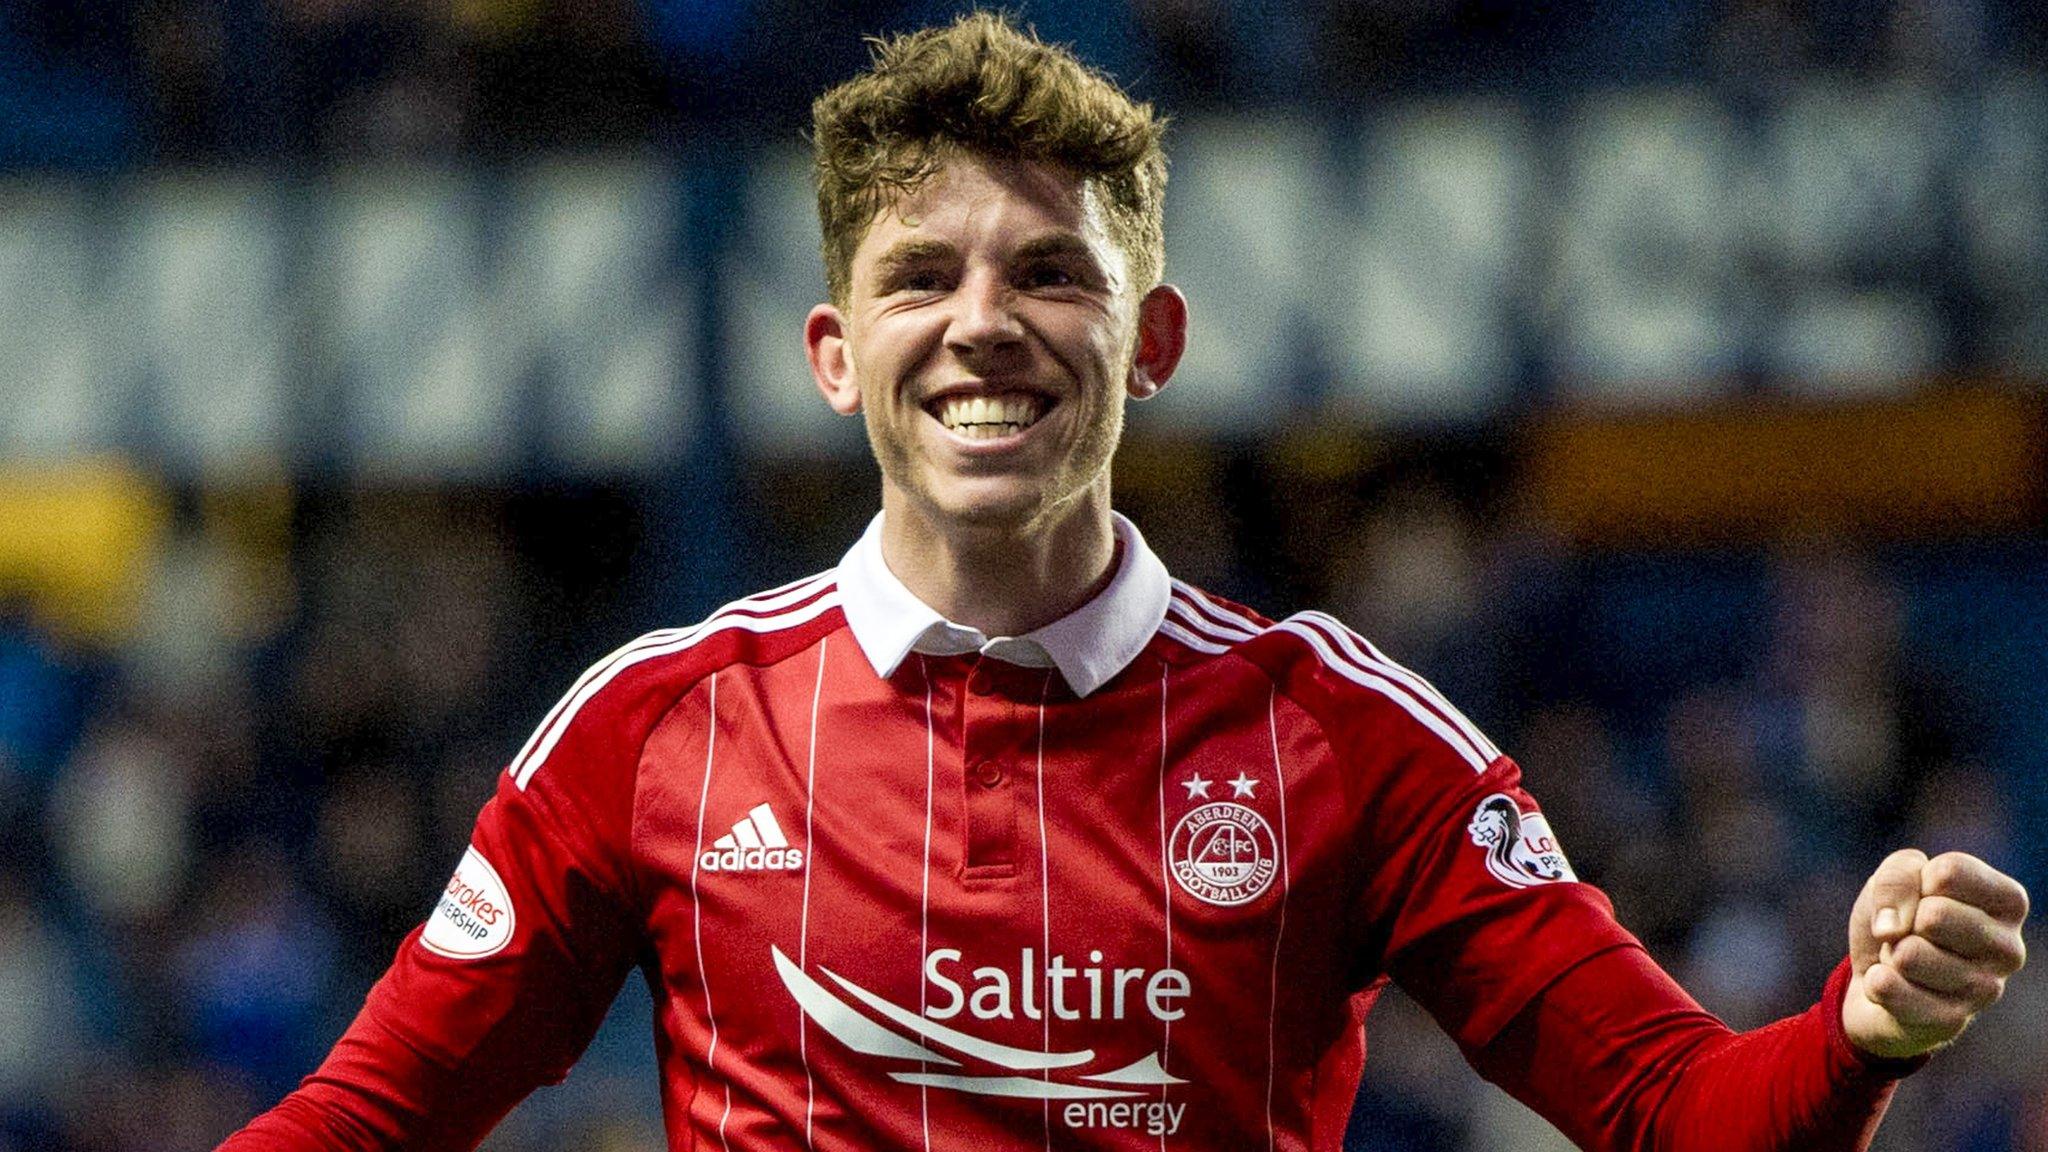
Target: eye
point(921, 280)
point(1047, 276)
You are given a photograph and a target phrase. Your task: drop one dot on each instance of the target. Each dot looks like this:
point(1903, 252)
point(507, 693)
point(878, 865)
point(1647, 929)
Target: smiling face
point(990, 336)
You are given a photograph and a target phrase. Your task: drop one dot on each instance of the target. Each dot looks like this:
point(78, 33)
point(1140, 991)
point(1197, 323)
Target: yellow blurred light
point(78, 541)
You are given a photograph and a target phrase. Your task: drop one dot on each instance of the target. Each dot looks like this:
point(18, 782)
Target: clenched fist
point(1931, 943)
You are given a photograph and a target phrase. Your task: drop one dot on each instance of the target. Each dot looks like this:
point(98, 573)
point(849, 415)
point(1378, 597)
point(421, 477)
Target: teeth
point(990, 417)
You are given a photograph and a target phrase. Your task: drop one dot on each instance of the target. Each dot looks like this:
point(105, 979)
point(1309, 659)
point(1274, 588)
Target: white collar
point(1088, 645)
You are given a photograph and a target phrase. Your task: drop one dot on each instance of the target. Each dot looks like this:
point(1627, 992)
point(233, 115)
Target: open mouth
point(983, 417)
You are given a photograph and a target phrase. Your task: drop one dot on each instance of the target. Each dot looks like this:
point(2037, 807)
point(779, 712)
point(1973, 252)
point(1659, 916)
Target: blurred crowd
point(217, 831)
point(92, 84)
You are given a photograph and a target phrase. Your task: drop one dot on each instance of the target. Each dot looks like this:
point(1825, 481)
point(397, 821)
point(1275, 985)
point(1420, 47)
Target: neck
point(1005, 580)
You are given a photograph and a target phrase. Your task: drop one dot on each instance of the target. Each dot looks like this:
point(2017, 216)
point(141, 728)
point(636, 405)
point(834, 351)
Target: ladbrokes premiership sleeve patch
point(474, 916)
point(1521, 851)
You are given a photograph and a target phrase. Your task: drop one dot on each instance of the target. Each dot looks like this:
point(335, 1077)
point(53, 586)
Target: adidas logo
point(755, 844)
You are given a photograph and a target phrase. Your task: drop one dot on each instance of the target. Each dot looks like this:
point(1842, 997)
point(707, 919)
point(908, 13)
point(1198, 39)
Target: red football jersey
point(1131, 881)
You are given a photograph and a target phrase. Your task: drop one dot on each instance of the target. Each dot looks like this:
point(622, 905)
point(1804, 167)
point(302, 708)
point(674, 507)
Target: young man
point(997, 837)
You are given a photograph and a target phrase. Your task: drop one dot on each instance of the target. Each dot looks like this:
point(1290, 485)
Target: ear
point(1162, 337)
point(831, 356)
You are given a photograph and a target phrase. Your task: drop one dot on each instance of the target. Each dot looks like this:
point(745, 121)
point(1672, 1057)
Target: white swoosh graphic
point(1022, 1059)
point(1023, 1086)
point(863, 1035)
point(1145, 1071)
point(849, 1027)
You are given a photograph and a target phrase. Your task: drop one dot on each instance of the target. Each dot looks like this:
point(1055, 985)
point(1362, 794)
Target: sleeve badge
point(1521, 851)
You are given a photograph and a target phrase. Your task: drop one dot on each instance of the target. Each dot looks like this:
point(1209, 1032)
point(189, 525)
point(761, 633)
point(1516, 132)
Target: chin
point(992, 514)
point(990, 505)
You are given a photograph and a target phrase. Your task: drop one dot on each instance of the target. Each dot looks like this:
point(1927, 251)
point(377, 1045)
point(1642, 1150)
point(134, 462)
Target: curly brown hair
point(984, 87)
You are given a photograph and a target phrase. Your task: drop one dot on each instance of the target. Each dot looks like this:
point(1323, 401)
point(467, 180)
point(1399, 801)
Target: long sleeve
point(1619, 1057)
point(1481, 918)
point(501, 989)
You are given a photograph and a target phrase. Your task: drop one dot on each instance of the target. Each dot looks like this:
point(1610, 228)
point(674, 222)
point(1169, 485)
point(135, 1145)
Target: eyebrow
point(1057, 244)
point(907, 253)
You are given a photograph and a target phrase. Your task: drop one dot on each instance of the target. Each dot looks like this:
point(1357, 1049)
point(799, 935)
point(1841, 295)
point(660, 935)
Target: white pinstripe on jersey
point(696, 908)
point(1165, 883)
point(803, 939)
point(1280, 930)
point(1045, 907)
point(924, 897)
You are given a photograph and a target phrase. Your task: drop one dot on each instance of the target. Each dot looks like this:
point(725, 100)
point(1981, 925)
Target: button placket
point(988, 735)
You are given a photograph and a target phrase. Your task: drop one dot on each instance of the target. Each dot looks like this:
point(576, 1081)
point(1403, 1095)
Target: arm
point(448, 1042)
point(1550, 998)
point(1473, 909)
point(502, 988)
point(1619, 1057)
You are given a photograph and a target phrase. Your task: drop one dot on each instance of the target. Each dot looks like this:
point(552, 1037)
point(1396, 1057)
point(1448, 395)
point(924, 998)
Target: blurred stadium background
point(1664, 379)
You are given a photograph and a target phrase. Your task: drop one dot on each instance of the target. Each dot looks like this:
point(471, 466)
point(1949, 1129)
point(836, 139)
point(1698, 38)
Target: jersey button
point(988, 775)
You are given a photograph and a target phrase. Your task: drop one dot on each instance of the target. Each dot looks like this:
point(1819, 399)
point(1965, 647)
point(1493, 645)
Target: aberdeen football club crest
point(1223, 854)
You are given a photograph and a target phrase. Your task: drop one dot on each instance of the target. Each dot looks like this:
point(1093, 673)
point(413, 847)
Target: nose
point(985, 319)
